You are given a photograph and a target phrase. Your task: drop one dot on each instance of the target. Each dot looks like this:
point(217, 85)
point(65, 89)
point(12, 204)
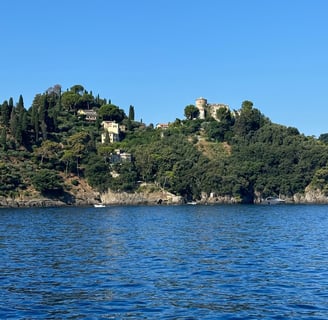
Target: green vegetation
point(47, 182)
point(240, 154)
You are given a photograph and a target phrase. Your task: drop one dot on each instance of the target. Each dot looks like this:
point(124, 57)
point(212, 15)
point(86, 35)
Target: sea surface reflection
point(179, 262)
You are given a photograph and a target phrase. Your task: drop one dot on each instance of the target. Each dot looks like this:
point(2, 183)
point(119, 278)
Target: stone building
point(208, 109)
point(201, 104)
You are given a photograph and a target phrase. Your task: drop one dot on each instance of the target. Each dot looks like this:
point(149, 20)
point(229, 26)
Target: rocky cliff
point(83, 195)
point(311, 196)
point(143, 197)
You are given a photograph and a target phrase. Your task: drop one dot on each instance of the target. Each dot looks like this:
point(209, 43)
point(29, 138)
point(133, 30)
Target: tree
point(191, 112)
point(324, 137)
point(35, 116)
point(126, 179)
point(56, 89)
point(47, 181)
point(48, 150)
point(18, 121)
point(68, 158)
point(224, 115)
point(43, 117)
point(131, 113)
point(110, 112)
point(77, 89)
point(248, 119)
point(107, 138)
point(215, 130)
point(247, 105)
point(98, 174)
point(10, 106)
point(10, 178)
point(86, 101)
point(21, 120)
point(220, 130)
point(5, 113)
point(14, 124)
point(3, 138)
point(20, 102)
point(69, 100)
point(77, 146)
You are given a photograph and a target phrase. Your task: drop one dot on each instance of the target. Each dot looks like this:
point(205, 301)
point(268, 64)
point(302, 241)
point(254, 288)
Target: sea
point(165, 262)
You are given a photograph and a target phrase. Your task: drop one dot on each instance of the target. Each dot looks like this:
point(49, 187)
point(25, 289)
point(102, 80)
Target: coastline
point(159, 197)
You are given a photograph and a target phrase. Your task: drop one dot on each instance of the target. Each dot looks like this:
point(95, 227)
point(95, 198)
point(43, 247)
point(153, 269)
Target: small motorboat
point(273, 200)
point(99, 205)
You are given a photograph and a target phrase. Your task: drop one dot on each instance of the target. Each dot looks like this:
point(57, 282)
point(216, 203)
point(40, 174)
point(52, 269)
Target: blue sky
point(161, 55)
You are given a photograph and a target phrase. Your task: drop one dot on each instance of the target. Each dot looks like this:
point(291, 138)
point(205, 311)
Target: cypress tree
point(131, 113)
point(4, 139)
point(5, 113)
point(20, 102)
point(21, 120)
point(107, 139)
point(11, 103)
point(42, 118)
point(14, 124)
point(10, 106)
point(35, 122)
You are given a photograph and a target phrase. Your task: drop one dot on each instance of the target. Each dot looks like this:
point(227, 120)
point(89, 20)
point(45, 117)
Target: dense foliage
point(239, 154)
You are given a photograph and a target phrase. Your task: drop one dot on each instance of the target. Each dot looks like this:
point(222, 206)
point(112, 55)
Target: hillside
point(74, 148)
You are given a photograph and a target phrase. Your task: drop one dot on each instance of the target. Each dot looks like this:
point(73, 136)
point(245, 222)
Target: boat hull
point(273, 201)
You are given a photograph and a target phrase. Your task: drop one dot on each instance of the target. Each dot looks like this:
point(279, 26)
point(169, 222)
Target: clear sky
point(160, 55)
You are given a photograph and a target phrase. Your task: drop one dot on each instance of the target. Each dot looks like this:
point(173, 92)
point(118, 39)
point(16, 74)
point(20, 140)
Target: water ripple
point(188, 262)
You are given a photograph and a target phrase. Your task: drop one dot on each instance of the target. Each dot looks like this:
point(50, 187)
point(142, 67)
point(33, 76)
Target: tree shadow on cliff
point(60, 195)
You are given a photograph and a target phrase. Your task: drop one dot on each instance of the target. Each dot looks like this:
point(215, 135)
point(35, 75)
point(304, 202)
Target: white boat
point(99, 205)
point(273, 200)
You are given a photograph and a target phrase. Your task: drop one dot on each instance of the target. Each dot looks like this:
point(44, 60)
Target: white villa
point(114, 129)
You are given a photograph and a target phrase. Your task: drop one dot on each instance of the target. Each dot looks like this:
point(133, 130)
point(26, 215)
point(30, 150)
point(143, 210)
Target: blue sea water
point(165, 262)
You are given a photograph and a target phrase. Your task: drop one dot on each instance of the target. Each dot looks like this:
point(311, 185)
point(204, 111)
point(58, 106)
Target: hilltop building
point(208, 109)
point(90, 115)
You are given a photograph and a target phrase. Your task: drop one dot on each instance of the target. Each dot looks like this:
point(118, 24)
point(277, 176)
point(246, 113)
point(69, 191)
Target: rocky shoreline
point(90, 198)
point(145, 197)
point(158, 197)
point(41, 203)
